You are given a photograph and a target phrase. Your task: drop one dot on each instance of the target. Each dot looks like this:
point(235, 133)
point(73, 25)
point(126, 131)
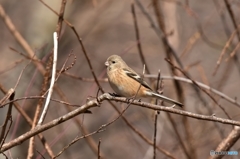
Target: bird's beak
point(106, 63)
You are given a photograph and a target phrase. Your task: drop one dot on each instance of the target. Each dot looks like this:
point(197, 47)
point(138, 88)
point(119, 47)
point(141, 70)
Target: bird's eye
point(113, 61)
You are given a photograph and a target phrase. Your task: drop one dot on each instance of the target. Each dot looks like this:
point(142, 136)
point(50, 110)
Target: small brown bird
point(125, 81)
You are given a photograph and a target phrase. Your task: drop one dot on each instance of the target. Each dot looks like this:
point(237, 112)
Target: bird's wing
point(132, 74)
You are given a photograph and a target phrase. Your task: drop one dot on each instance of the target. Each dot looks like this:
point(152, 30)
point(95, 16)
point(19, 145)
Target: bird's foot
point(132, 98)
point(114, 95)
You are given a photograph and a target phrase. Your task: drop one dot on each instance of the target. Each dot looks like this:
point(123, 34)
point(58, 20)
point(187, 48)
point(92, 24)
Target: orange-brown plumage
point(127, 87)
point(126, 82)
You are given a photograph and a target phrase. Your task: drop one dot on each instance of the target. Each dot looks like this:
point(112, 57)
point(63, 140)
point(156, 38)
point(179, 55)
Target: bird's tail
point(166, 99)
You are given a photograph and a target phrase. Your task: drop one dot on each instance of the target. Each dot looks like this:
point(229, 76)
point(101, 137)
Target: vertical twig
point(159, 16)
point(232, 17)
point(170, 54)
point(86, 56)
point(159, 82)
point(99, 143)
point(155, 134)
point(153, 25)
point(10, 95)
point(6, 97)
point(178, 136)
point(55, 53)
point(139, 46)
point(165, 152)
point(227, 45)
point(37, 112)
point(226, 28)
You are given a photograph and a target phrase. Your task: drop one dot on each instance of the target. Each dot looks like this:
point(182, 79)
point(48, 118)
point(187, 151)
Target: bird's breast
point(123, 85)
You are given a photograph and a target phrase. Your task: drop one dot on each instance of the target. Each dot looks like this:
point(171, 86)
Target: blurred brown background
point(106, 27)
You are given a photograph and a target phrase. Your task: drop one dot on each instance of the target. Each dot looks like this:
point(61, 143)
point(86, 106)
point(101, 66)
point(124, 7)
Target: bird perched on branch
point(126, 82)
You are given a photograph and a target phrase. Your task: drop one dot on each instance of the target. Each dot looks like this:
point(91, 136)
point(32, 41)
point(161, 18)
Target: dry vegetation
point(197, 42)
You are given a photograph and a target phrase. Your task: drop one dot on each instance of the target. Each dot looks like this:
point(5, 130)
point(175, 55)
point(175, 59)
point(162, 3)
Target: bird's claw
point(132, 98)
point(114, 94)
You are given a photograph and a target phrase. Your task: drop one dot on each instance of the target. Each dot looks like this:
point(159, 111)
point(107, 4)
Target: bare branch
point(228, 142)
point(106, 96)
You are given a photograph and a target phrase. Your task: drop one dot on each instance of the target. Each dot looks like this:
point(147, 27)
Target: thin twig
point(86, 56)
point(151, 21)
point(141, 135)
point(232, 16)
point(40, 154)
point(159, 82)
point(26, 56)
point(227, 45)
point(225, 24)
point(222, 95)
point(10, 96)
point(6, 97)
point(54, 67)
point(233, 53)
point(83, 78)
point(40, 97)
point(20, 39)
point(182, 79)
point(11, 66)
point(178, 136)
point(200, 88)
point(79, 138)
point(155, 134)
point(139, 46)
point(99, 143)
